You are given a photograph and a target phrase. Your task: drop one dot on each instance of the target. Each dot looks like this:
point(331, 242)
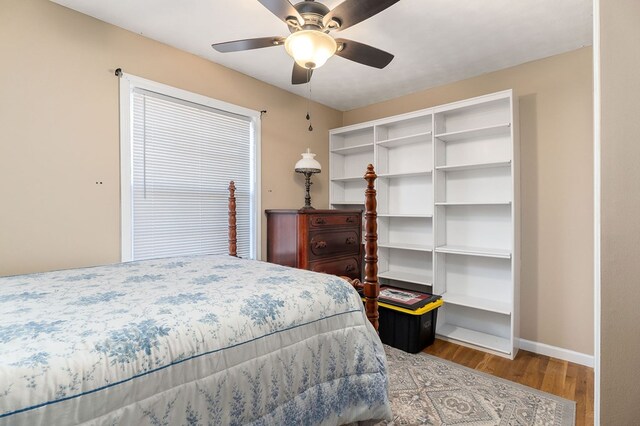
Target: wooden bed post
point(371, 285)
point(232, 220)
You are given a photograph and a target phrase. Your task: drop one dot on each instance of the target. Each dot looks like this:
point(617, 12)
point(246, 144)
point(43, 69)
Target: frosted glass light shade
point(310, 48)
point(308, 163)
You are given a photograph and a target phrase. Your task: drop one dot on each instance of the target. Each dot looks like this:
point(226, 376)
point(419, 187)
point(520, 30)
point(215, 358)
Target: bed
point(192, 340)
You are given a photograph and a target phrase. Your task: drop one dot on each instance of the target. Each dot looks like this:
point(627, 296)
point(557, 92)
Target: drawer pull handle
point(349, 268)
point(320, 221)
point(350, 240)
point(320, 244)
point(351, 219)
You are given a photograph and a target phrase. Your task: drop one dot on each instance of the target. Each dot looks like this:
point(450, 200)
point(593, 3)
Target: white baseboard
point(556, 352)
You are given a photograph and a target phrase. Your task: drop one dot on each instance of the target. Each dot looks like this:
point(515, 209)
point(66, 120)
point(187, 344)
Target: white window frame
point(130, 82)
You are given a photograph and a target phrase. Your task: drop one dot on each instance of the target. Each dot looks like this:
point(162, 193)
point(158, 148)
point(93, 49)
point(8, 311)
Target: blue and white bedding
point(205, 340)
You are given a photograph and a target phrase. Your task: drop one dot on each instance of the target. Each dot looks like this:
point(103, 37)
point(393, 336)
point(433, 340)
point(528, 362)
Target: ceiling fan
point(309, 43)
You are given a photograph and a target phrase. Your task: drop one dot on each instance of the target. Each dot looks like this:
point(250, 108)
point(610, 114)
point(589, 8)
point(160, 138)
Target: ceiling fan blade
point(363, 53)
point(248, 44)
point(282, 9)
point(300, 75)
point(351, 12)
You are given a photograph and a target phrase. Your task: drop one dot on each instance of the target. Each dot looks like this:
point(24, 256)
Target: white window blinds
point(184, 155)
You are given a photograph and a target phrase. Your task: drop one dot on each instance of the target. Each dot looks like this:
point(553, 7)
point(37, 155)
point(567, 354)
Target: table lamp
point(308, 165)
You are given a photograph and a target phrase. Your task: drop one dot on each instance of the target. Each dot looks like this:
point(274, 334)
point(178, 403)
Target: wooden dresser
point(319, 240)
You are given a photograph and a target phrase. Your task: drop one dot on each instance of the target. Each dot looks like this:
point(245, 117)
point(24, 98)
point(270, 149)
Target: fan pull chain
point(309, 99)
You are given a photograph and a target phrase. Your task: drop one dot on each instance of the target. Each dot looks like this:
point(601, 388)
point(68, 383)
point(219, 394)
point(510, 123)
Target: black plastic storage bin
point(410, 331)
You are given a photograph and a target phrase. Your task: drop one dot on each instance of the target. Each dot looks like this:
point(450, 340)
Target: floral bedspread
point(206, 340)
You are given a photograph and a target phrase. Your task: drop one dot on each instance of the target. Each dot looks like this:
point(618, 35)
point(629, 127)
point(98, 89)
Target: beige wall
point(556, 139)
point(59, 132)
point(620, 210)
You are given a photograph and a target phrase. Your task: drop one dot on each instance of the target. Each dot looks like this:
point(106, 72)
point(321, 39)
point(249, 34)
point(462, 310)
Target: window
point(179, 151)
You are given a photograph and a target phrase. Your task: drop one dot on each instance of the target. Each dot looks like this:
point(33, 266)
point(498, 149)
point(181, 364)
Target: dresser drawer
point(328, 241)
point(326, 221)
point(332, 243)
point(349, 267)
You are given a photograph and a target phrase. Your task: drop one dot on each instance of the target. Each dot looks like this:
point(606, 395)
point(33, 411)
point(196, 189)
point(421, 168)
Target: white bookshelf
point(410, 139)
point(448, 218)
point(472, 166)
point(474, 251)
point(350, 151)
point(425, 215)
point(407, 246)
point(349, 154)
point(486, 304)
point(355, 149)
point(496, 344)
point(405, 195)
point(348, 179)
point(404, 174)
point(475, 133)
point(474, 203)
point(476, 220)
point(410, 277)
point(401, 148)
point(404, 150)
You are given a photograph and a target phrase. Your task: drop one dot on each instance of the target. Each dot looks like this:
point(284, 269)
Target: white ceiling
point(434, 41)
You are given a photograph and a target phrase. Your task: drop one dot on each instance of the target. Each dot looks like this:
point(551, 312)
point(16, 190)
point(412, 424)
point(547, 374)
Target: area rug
point(425, 390)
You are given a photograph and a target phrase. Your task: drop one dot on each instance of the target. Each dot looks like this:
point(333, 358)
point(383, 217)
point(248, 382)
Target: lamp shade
point(310, 48)
point(308, 163)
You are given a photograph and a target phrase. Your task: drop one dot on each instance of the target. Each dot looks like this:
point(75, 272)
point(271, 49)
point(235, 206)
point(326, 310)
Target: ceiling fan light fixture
point(310, 48)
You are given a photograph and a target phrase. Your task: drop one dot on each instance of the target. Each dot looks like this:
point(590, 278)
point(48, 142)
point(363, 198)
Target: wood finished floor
point(561, 378)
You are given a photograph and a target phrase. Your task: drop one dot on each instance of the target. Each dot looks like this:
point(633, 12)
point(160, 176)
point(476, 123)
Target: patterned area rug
point(426, 390)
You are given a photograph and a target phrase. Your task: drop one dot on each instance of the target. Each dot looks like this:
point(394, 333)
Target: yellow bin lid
point(423, 310)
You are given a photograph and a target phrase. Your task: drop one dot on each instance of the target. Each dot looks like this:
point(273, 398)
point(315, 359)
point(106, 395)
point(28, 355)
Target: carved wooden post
point(232, 220)
point(371, 286)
